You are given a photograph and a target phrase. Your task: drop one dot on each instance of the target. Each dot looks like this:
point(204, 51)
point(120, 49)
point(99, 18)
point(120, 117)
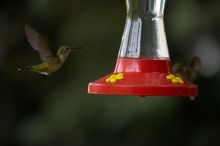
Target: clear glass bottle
point(144, 34)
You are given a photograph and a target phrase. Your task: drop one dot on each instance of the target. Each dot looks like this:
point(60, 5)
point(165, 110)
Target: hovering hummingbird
point(190, 72)
point(52, 61)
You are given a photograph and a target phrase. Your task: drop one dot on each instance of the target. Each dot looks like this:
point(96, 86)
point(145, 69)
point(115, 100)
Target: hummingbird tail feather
point(24, 68)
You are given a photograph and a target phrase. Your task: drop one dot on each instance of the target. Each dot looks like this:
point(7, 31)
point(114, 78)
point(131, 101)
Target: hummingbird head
point(179, 68)
point(63, 52)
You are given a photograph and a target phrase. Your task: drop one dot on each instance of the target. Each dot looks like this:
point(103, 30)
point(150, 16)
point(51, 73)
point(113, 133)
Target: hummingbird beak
point(69, 50)
point(78, 48)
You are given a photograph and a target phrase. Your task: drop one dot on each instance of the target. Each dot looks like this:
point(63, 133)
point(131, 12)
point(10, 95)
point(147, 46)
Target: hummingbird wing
point(194, 67)
point(39, 43)
point(195, 64)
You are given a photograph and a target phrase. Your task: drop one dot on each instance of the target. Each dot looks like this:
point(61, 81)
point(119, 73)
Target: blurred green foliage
point(52, 111)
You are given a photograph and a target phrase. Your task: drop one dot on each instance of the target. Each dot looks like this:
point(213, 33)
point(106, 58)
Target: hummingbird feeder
point(143, 66)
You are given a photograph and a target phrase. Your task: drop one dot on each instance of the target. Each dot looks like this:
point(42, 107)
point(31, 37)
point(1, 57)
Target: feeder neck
point(142, 8)
point(144, 34)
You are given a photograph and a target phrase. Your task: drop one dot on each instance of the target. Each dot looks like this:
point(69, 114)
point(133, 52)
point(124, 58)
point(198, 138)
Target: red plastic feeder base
point(143, 77)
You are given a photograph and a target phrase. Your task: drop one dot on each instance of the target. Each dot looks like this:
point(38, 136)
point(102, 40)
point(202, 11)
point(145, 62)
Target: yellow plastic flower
point(114, 78)
point(180, 80)
point(170, 76)
point(119, 76)
point(175, 79)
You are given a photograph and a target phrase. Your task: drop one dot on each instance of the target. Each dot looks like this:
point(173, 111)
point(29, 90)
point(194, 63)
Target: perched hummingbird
point(52, 61)
point(190, 72)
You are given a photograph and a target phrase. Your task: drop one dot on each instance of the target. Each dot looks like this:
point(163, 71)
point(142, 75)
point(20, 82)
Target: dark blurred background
point(36, 110)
